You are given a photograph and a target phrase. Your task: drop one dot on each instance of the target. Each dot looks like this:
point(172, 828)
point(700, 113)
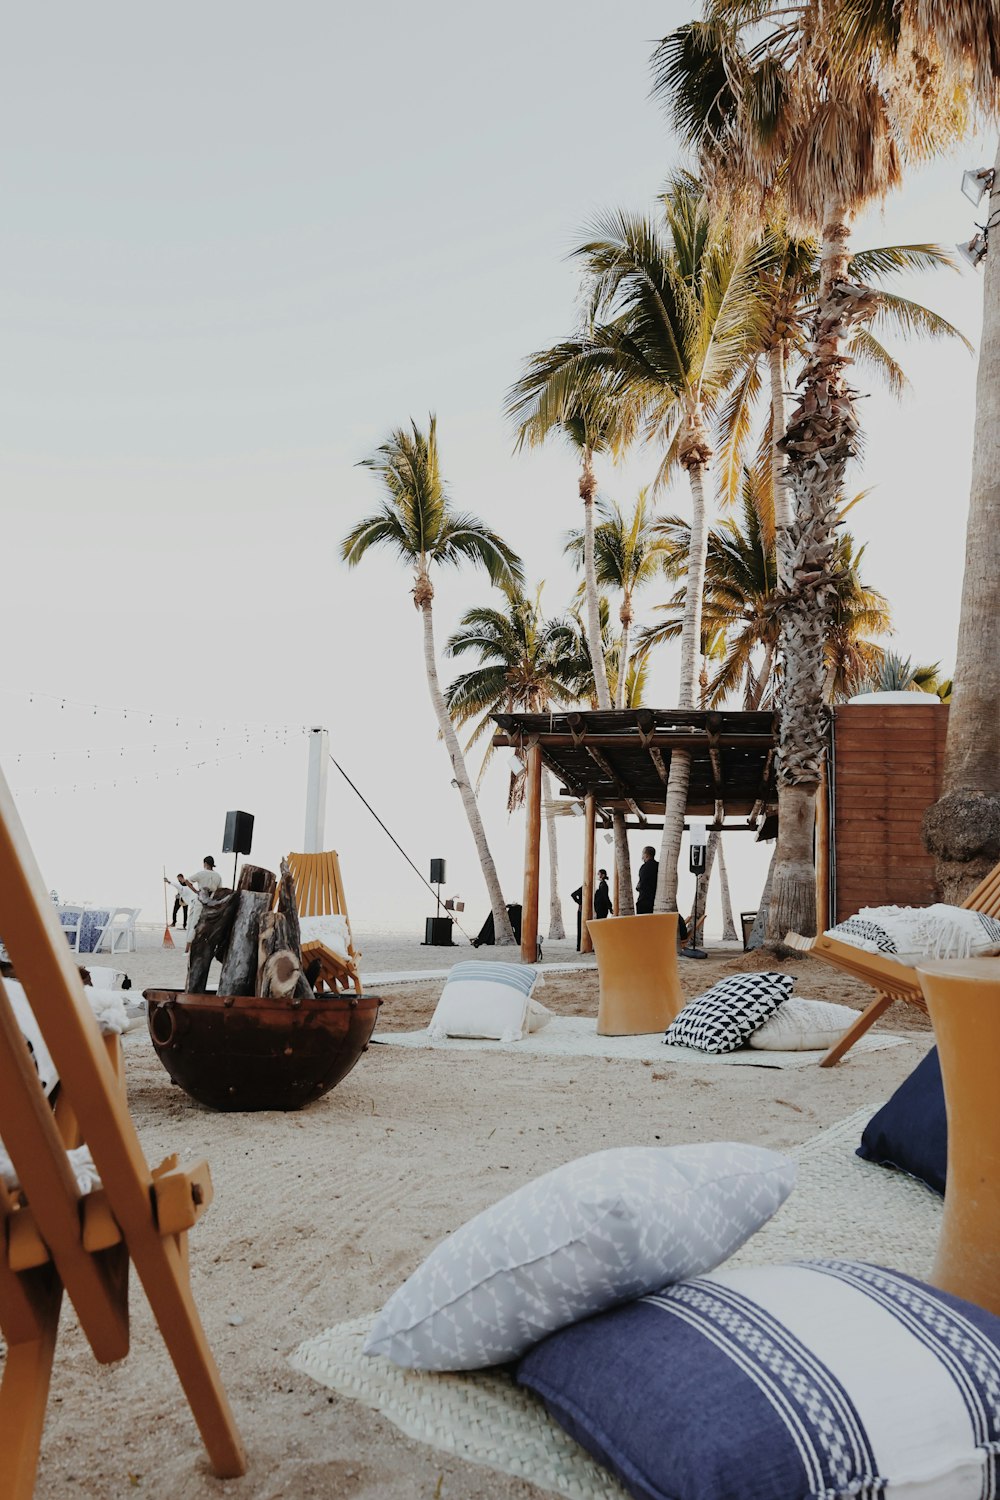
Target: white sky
point(241, 242)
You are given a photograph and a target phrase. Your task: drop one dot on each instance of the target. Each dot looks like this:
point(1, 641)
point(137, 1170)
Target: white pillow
point(331, 931)
point(595, 1232)
point(32, 1033)
point(804, 1026)
point(487, 1000)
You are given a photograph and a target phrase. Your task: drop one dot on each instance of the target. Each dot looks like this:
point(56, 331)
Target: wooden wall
point(887, 764)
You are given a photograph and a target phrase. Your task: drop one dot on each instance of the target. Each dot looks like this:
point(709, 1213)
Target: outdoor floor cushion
point(591, 1233)
point(485, 1000)
point(911, 1131)
point(726, 1016)
point(819, 1380)
point(800, 1025)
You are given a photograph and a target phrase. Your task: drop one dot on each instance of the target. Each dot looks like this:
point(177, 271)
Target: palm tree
point(669, 308)
point(740, 618)
point(625, 558)
point(520, 669)
point(627, 555)
point(418, 523)
point(795, 101)
point(962, 829)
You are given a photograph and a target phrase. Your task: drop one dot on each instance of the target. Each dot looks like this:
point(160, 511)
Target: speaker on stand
point(238, 836)
point(437, 930)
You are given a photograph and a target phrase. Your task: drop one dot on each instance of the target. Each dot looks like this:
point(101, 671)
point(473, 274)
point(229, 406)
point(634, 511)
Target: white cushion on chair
point(330, 930)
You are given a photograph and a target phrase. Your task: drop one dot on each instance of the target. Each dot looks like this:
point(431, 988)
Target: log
point(279, 968)
point(239, 967)
point(211, 937)
point(289, 908)
point(256, 878)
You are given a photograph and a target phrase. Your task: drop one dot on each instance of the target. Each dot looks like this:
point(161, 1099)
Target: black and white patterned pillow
point(726, 1016)
point(861, 933)
point(991, 928)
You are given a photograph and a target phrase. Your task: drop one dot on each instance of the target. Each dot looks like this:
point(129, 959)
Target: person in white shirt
point(203, 882)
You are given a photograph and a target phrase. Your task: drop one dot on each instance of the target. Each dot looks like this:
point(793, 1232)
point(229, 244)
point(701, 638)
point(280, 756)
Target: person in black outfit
point(602, 896)
point(646, 888)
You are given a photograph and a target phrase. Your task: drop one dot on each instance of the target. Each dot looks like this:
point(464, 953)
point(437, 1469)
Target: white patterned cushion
point(800, 1025)
point(819, 1380)
point(590, 1234)
point(726, 1016)
point(485, 1000)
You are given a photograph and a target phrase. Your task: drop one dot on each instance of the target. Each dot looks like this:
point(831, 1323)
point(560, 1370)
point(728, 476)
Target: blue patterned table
point(92, 924)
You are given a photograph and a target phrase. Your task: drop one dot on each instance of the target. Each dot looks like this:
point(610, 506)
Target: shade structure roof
point(622, 757)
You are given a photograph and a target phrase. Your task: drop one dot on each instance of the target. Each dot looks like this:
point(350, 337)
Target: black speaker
point(438, 876)
point(437, 932)
point(239, 833)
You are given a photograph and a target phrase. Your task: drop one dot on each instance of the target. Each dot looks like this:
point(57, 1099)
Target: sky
point(240, 244)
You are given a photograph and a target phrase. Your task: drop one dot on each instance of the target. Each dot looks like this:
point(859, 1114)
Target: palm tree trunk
point(729, 933)
point(962, 829)
point(818, 444)
point(695, 457)
point(623, 867)
point(556, 929)
point(588, 487)
point(501, 921)
point(623, 649)
point(779, 421)
point(763, 677)
point(759, 930)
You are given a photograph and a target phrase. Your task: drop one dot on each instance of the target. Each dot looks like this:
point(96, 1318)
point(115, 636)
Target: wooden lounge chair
point(891, 980)
point(319, 892)
point(52, 1238)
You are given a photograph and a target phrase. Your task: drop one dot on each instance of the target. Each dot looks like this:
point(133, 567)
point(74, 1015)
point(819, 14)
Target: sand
point(319, 1215)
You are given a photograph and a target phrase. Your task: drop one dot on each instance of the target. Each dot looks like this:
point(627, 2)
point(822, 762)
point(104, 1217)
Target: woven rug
point(841, 1206)
point(575, 1036)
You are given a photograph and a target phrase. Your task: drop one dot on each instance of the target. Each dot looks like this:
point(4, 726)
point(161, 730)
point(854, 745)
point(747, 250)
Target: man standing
point(602, 896)
point(646, 888)
point(180, 901)
point(203, 882)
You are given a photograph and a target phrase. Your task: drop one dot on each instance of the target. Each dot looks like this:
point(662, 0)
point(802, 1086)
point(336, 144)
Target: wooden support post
point(822, 853)
point(587, 895)
point(532, 854)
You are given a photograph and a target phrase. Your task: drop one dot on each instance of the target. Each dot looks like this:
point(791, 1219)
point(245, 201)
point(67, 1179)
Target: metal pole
point(319, 760)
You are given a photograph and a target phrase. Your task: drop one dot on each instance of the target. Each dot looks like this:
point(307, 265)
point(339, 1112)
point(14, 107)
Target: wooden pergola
point(618, 760)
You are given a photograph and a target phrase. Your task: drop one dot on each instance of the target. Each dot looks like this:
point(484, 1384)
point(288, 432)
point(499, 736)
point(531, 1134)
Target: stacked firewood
point(260, 949)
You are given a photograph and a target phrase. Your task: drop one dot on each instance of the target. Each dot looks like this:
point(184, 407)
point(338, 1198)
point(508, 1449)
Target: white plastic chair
point(71, 919)
point(119, 930)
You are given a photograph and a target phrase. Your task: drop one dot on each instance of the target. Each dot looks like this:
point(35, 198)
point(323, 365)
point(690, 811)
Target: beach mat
point(841, 1207)
point(575, 1036)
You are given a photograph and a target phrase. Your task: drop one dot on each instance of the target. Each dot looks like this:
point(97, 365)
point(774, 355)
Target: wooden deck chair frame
point(319, 892)
point(55, 1240)
point(891, 980)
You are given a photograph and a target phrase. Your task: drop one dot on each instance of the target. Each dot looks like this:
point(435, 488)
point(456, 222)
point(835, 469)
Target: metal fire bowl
point(239, 1052)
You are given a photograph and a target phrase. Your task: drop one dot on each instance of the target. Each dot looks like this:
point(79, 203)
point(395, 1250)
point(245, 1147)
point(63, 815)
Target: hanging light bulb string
point(276, 736)
point(160, 774)
point(155, 716)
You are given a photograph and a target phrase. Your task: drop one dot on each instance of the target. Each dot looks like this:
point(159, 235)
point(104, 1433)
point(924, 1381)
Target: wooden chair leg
point(164, 1275)
point(867, 1018)
point(24, 1391)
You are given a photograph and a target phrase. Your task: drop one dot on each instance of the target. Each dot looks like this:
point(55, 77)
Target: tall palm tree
point(417, 522)
point(520, 668)
point(796, 100)
point(670, 302)
point(962, 829)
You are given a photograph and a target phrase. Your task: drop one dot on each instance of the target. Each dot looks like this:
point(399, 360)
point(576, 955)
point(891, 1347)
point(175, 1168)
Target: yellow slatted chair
point(52, 1237)
point(891, 980)
point(319, 892)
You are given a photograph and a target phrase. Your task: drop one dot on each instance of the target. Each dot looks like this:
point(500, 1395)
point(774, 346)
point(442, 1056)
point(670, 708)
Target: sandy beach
point(319, 1215)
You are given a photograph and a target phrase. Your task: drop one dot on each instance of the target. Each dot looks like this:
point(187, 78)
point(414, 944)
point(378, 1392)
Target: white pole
point(319, 761)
